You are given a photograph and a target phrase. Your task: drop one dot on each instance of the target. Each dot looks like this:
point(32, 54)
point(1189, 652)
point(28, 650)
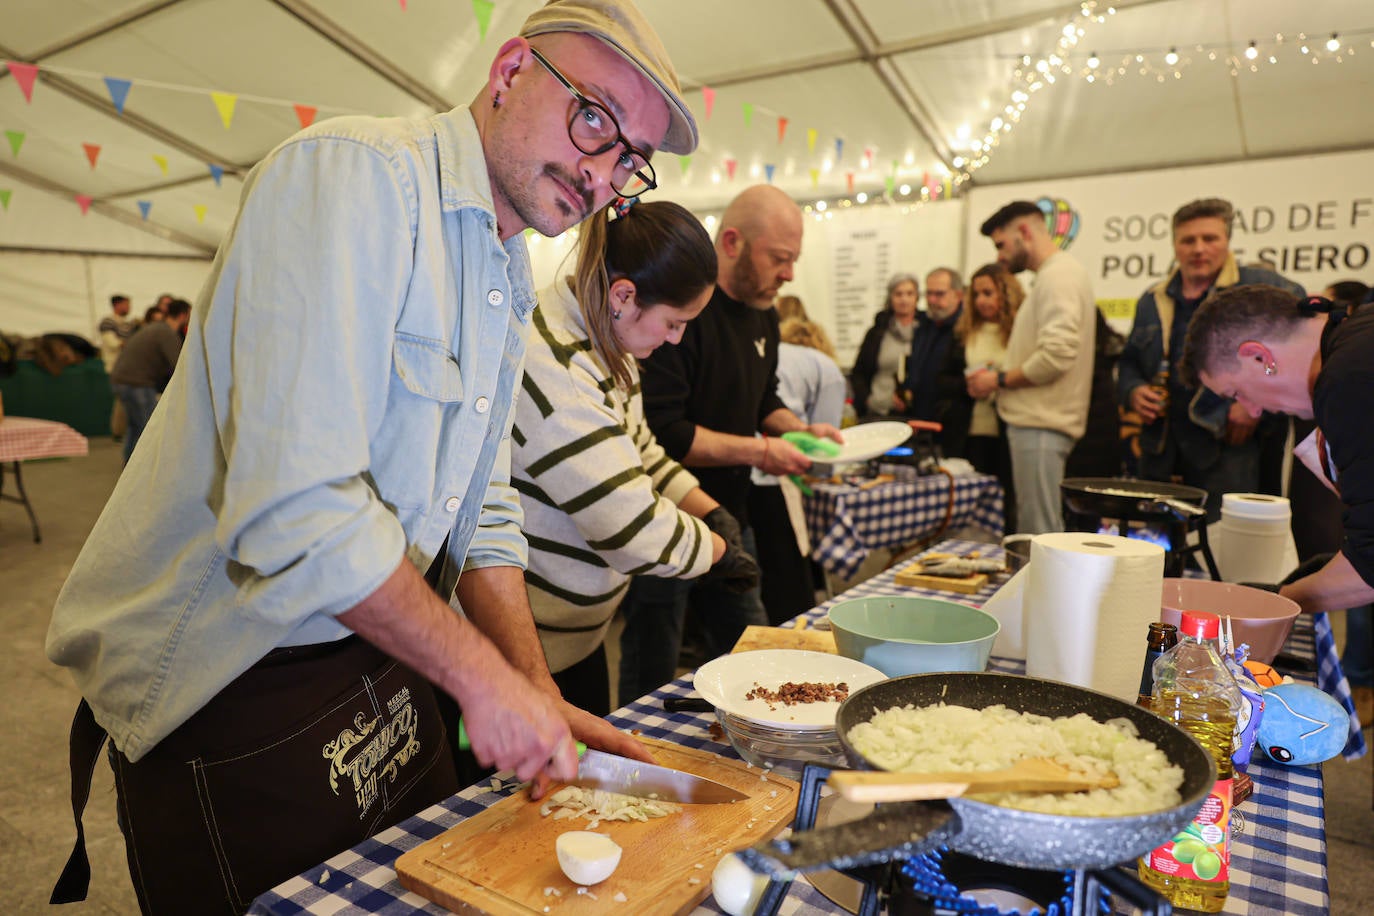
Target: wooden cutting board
point(912, 577)
point(501, 861)
point(811, 640)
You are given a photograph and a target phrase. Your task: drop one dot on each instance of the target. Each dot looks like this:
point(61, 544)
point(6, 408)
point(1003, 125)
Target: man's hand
point(826, 431)
point(781, 457)
point(981, 384)
point(1147, 401)
point(1240, 424)
point(594, 732)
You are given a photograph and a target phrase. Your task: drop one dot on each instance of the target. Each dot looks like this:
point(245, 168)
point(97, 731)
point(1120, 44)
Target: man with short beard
point(706, 400)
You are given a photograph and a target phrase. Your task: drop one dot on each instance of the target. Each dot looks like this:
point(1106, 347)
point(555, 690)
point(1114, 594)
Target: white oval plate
point(869, 440)
point(724, 681)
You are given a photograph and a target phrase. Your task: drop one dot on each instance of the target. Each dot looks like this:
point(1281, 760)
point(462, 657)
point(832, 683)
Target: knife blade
point(599, 770)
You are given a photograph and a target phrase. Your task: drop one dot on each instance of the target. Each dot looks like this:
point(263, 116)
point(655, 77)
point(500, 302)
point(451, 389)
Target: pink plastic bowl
point(1262, 619)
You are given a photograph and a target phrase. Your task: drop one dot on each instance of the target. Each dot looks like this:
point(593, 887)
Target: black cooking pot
point(1028, 839)
point(1113, 497)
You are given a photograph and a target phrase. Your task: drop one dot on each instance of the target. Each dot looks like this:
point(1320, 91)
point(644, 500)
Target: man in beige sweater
point(1045, 388)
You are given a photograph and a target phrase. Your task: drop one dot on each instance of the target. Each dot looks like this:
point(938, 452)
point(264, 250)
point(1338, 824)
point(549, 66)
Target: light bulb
point(861, 197)
point(1172, 57)
point(1093, 61)
point(905, 189)
point(820, 205)
point(1251, 52)
point(1333, 43)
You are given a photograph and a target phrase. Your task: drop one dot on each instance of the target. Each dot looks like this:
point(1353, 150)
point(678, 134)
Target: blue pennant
point(768, 170)
point(839, 148)
point(217, 173)
point(144, 206)
point(119, 92)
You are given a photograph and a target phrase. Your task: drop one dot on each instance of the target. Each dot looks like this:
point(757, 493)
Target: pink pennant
point(306, 113)
point(403, 6)
point(849, 181)
point(782, 128)
point(708, 97)
point(868, 156)
point(84, 202)
point(730, 166)
point(24, 75)
point(92, 152)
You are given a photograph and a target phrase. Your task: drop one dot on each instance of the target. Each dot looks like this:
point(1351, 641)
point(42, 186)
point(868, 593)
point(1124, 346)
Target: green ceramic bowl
point(908, 635)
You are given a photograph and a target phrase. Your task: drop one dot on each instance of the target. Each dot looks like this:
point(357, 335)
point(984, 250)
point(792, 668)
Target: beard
point(747, 284)
point(1018, 260)
point(524, 198)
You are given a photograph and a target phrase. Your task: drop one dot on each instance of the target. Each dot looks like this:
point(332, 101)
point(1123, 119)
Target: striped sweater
point(599, 493)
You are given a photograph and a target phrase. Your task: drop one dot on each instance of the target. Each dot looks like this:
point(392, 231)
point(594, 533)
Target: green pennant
point(5, 198)
point(685, 162)
point(748, 114)
point(16, 138)
point(894, 166)
point(481, 10)
point(891, 185)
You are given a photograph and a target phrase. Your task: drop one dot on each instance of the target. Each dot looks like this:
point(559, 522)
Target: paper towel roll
point(1089, 603)
point(1007, 605)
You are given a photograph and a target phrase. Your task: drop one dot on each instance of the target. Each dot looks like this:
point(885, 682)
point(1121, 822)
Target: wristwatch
point(1001, 378)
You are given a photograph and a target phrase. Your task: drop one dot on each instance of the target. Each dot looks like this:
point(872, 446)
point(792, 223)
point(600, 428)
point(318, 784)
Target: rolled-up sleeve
point(306, 302)
point(500, 539)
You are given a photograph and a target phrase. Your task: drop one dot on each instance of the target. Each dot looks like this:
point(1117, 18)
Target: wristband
point(1001, 378)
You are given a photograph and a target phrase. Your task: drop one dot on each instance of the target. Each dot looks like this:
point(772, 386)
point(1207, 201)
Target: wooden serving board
point(912, 577)
point(501, 861)
point(811, 640)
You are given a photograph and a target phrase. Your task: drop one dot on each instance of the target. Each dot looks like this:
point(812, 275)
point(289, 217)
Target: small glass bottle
point(1160, 385)
point(1162, 637)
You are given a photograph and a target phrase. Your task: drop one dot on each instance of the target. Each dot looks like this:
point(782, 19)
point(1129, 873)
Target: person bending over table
point(1270, 350)
point(602, 500)
point(265, 661)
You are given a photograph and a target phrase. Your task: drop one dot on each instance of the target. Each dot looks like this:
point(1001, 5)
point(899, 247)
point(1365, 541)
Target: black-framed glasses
point(594, 130)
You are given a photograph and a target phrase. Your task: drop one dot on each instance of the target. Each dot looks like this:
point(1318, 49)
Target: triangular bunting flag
point(685, 162)
point(24, 75)
point(92, 152)
point(890, 183)
point(811, 139)
point(839, 148)
point(16, 138)
point(481, 11)
point(815, 178)
point(84, 202)
point(708, 98)
point(119, 92)
point(748, 114)
point(949, 188)
point(5, 198)
point(144, 206)
point(894, 166)
point(931, 184)
point(161, 162)
point(782, 128)
point(306, 115)
point(868, 157)
point(730, 166)
point(217, 173)
point(224, 103)
point(768, 170)
point(403, 6)
point(200, 212)
point(849, 181)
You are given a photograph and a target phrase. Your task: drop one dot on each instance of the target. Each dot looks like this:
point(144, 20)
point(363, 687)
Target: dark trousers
point(311, 751)
point(787, 585)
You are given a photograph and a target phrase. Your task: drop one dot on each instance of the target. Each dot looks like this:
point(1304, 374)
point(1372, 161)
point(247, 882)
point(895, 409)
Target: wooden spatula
point(1033, 774)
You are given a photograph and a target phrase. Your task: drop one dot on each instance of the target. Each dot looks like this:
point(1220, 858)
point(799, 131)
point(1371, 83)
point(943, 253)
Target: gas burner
point(945, 882)
point(1138, 531)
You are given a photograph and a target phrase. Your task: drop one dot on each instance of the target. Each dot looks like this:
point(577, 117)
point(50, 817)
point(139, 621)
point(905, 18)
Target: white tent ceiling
point(913, 83)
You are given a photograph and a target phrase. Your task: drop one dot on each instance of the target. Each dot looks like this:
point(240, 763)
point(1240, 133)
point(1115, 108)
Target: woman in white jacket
point(602, 500)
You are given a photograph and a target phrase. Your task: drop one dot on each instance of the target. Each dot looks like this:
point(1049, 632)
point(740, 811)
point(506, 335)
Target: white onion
point(737, 887)
point(586, 857)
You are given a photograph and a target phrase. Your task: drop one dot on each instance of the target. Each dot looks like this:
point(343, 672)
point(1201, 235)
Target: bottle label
point(1202, 851)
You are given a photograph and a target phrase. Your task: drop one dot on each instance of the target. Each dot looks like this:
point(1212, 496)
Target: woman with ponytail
point(602, 500)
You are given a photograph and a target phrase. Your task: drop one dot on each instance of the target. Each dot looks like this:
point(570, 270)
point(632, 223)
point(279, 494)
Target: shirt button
point(452, 504)
point(482, 405)
point(496, 297)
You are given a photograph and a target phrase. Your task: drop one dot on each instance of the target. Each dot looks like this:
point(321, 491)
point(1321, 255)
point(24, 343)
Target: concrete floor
point(36, 830)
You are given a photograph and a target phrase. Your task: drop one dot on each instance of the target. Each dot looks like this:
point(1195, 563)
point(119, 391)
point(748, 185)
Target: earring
point(1271, 369)
point(496, 100)
point(615, 314)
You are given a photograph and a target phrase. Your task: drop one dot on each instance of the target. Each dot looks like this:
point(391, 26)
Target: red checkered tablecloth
point(25, 439)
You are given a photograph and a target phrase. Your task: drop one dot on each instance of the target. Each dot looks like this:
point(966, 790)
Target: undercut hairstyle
point(805, 333)
point(658, 246)
point(1349, 292)
point(956, 282)
point(1207, 207)
point(178, 307)
point(116, 299)
point(1014, 210)
point(1255, 311)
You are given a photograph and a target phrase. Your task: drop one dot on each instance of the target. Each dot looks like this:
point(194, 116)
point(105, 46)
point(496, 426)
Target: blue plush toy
point(1302, 724)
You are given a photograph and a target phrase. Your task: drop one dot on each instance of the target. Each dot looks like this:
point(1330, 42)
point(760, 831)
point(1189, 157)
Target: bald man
point(706, 400)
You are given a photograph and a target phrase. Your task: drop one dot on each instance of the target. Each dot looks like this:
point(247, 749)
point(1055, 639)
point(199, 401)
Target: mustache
point(578, 186)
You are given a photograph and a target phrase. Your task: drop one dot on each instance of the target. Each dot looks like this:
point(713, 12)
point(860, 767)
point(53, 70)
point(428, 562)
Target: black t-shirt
point(1340, 404)
point(722, 376)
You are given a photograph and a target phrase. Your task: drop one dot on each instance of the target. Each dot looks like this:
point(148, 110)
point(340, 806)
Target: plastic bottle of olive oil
point(1194, 690)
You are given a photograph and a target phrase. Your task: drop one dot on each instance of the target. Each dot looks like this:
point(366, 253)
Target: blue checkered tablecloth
point(846, 523)
point(1278, 854)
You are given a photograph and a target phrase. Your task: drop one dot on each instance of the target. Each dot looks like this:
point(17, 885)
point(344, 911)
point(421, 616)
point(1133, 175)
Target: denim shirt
point(343, 401)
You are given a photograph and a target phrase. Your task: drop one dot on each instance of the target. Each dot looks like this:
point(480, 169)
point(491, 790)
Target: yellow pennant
point(815, 178)
point(161, 162)
point(200, 212)
point(225, 102)
point(811, 139)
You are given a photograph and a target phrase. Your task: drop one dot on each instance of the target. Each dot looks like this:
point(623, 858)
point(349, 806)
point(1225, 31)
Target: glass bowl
point(766, 745)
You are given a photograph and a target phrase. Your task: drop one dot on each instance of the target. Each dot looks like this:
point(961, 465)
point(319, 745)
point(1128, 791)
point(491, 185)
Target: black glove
point(726, 525)
point(736, 570)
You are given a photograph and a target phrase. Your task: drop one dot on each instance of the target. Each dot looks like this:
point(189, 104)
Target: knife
point(612, 773)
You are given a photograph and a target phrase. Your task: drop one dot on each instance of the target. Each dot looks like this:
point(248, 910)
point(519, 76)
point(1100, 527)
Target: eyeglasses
point(594, 130)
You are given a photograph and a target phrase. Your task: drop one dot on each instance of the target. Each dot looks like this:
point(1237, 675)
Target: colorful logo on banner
point(1061, 219)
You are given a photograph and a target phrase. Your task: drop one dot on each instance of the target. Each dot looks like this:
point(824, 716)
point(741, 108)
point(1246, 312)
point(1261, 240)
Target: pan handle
point(687, 704)
point(891, 832)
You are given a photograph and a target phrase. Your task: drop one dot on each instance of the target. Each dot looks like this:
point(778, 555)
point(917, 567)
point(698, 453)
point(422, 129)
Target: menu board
point(862, 258)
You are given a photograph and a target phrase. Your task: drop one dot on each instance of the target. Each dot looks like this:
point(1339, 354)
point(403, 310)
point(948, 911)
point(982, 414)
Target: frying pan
point(1028, 839)
point(1113, 497)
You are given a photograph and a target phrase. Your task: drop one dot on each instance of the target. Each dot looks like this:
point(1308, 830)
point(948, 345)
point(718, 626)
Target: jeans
point(138, 404)
point(1358, 658)
point(655, 609)
point(1037, 468)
